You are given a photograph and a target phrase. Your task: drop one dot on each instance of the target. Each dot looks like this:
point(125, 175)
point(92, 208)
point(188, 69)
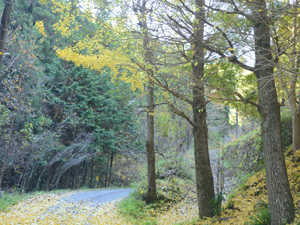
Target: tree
point(279, 193)
point(4, 27)
point(141, 14)
point(227, 40)
point(289, 64)
point(165, 75)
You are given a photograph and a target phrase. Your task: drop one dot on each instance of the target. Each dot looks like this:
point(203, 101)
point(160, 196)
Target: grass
point(135, 212)
point(261, 217)
point(7, 200)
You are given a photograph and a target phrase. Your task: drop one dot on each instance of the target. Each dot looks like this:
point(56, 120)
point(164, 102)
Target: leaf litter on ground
point(50, 209)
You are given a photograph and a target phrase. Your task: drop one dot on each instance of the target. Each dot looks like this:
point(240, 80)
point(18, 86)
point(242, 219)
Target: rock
point(167, 174)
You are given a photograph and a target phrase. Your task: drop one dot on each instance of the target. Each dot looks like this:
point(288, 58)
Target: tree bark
point(278, 188)
point(106, 173)
point(151, 195)
point(204, 178)
point(295, 122)
point(2, 176)
point(110, 170)
point(92, 171)
point(4, 27)
point(151, 192)
point(75, 177)
point(68, 178)
point(84, 173)
point(49, 178)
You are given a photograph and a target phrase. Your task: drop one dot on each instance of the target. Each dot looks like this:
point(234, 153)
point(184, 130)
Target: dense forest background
point(62, 126)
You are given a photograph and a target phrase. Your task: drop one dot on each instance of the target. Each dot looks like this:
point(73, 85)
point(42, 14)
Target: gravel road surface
point(96, 198)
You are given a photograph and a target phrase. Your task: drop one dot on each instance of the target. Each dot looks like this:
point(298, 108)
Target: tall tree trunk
point(151, 192)
point(204, 178)
point(278, 188)
point(92, 171)
point(110, 170)
point(106, 172)
point(141, 15)
point(4, 27)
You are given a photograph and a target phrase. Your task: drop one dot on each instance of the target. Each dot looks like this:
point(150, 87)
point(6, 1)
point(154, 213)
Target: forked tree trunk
point(4, 27)
point(204, 178)
point(278, 188)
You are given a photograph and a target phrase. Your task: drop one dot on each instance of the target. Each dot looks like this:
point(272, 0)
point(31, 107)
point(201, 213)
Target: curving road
point(96, 198)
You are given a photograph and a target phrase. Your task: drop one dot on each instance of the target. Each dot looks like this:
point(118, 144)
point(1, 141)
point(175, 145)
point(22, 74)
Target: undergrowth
point(170, 191)
point(246, 205)
point(7, 200)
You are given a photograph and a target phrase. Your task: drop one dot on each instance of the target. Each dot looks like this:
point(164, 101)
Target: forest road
point(96, 198)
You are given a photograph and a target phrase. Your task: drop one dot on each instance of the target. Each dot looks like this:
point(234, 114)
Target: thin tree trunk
point(84, 173)
point(279, 194)
point(295, 122)
point(4, 27)
point(98, 184)
point(204, 178)
point(106, 173)
point(68, 178)
point(2, 176)
point(92, 171)
point(237, 123)
point(151, 192)
point(110, 170)
point(295, 113)
point(188, 138)
point(75, 177)
point(141, 14)
point(49, 178)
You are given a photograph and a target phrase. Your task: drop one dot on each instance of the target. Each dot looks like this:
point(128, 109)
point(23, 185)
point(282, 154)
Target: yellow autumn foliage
point(40, 27)
point(95, 52)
